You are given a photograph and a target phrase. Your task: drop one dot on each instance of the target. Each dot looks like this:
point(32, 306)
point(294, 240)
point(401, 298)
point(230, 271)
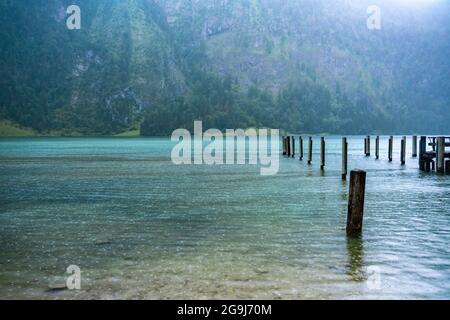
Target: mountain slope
point(300, 65)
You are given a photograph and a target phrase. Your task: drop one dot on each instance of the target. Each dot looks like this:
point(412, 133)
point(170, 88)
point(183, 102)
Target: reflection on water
point(141, 228)
point(355, 249)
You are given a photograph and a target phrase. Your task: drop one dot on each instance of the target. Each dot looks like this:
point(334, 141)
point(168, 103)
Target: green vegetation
point(8, 129)
point(298, 65)
point(131, 133)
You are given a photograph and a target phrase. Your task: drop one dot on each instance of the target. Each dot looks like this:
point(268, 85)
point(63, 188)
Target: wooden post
point(440, 155)
point(403, 151)
point(284, 145)
point(293, 147)
point(422, 150)
point(402, 145)
point(344, 158)
point(356, 201)
point(301, 147)
point(310, 147)
point(391, 144)
point(365, 147)
point(368, 146)
point(288, 146)
point(322, 153)
point(414, 146)
point(377, 148)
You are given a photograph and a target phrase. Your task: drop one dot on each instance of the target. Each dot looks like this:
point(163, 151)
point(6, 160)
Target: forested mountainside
point(300, 65)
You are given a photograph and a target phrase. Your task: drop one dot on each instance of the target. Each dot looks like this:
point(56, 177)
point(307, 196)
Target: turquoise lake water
point(140, 227)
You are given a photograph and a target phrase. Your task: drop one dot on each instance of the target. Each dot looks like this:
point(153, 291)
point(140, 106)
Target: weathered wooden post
point(403, 151)
point(322, 153)
point(301, 147)
point(356, 201)
point(422, 150)
point(365, 146)
point(402, 144)
point(310, 147)
point(440, 155)
point(344, 158)
point(391, 145)
point(414, 146)
point(377, 147)
point(288, 146)
point(293, 147)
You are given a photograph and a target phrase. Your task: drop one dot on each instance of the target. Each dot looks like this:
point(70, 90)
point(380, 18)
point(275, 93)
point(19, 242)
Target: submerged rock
point(56, 287)
point(56, 284)
point(261, 271)
point(103, 242)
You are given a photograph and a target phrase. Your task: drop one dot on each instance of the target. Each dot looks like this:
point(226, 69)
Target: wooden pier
point(437, 159)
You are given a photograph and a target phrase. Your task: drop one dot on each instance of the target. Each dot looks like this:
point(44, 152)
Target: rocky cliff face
point(128, 61)
point(266, 41)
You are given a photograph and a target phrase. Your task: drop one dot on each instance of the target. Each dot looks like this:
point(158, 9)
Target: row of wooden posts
point(289, 150)
point(358, 177)
point(425, 162)
point(390, 148)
